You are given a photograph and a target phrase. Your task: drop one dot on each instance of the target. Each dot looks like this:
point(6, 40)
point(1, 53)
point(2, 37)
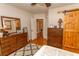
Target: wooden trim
point(1, 21)
point(71, 49)
point(9, 17)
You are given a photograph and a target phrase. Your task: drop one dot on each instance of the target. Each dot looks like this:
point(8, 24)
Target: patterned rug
point(26, 51)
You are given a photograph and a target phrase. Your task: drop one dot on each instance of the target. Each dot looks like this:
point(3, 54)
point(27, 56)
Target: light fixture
point(42, 4)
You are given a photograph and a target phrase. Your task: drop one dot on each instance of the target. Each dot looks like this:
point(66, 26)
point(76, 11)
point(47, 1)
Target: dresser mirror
point(10, 24)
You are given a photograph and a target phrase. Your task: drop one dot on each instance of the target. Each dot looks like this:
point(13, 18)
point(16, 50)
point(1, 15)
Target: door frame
point(37, 27)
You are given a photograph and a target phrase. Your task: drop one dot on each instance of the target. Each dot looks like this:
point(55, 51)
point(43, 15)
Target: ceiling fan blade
point(48, 4)
point(33, 4)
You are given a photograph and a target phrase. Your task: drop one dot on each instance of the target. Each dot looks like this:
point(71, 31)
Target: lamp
point(60, 22)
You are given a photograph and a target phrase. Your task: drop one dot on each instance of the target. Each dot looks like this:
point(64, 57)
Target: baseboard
point(71, 49)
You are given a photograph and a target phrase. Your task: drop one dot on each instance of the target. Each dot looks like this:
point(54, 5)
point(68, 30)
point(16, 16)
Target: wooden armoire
point(71, 31)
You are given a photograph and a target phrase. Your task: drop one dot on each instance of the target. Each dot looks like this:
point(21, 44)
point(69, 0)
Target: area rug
point(26, 51)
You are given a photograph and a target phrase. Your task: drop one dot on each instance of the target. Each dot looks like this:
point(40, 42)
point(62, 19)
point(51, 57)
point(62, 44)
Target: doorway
point(40, 28)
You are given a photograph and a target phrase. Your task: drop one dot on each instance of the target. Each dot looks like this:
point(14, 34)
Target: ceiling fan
point(47, 4)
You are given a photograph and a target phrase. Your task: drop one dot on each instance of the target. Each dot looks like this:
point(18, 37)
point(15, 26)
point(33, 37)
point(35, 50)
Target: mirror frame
point(18, 23)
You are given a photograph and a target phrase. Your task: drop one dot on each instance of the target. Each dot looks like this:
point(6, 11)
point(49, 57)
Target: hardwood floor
point(40, 41)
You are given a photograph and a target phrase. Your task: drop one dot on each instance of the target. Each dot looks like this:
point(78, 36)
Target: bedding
point(52, 51)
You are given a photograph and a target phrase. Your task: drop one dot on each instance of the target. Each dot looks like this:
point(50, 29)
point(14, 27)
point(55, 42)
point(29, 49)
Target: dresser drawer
point(6, 51)
point(55, 37)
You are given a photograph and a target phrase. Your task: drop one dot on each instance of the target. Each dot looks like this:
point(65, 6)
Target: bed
point(52, 51)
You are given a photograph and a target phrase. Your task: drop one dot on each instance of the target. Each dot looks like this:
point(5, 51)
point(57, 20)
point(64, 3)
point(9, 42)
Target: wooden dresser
point(55, 37)
point(12, 43)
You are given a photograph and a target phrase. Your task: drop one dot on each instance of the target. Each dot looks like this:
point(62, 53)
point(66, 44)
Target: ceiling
point(37, 8)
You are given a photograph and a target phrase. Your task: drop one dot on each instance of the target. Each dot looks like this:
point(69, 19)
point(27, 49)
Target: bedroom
point(38, 24)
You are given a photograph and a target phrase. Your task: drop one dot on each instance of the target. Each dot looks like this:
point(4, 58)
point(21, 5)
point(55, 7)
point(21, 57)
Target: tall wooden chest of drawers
point(55, 37)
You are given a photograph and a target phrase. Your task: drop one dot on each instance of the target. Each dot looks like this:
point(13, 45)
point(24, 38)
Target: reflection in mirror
point(18, 26)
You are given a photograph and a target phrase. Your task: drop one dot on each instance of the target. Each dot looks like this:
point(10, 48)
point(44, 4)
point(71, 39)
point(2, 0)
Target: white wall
point(26, 17)
point(10, 11)
point(53, 16)
point(34, 25)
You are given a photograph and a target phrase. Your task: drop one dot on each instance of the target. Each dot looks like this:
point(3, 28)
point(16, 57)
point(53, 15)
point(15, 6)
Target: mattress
point(52, 51)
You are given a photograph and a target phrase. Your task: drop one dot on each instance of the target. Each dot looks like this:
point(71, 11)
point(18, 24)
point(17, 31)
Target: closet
point(71, 31)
